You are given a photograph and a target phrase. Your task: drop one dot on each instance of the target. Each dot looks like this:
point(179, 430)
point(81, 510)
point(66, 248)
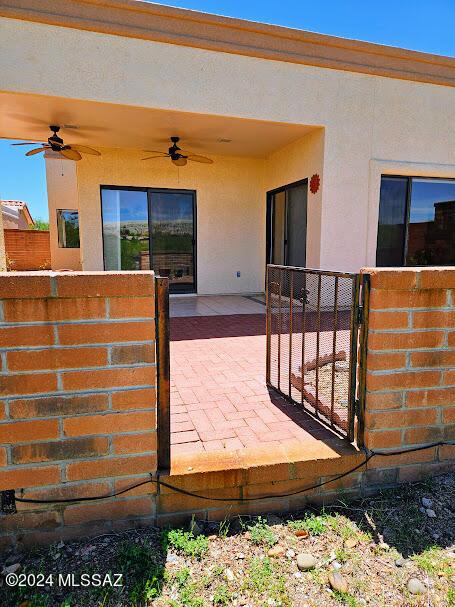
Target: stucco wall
point(61, 194)
point(300, 160)
point(230, 206)
point(366, 118)
point(230, 212)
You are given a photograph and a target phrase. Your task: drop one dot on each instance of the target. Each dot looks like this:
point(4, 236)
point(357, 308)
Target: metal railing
point(313, 319)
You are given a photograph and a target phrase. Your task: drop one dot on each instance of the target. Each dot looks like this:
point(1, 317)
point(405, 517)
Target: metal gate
point(313, 320)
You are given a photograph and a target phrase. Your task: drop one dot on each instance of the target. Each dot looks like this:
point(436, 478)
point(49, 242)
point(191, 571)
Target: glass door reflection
point(172, 237)
point(125, 229)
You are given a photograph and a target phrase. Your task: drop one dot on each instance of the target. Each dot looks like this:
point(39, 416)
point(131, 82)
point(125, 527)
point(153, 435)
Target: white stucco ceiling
point(107, 125)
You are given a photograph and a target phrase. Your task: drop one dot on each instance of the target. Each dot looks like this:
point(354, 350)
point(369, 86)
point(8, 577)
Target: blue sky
point(421, 25)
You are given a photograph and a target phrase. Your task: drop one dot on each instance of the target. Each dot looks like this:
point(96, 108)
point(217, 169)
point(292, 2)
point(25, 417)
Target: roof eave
point(155, 22)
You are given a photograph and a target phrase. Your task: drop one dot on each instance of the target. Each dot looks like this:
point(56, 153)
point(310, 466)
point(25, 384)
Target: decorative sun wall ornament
point(315, 182)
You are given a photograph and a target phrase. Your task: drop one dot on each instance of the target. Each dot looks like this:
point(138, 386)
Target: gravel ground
point(392, 550)
point(341, 383)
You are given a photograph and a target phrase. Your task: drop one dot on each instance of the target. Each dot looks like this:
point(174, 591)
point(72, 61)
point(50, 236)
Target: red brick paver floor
point(219, 399)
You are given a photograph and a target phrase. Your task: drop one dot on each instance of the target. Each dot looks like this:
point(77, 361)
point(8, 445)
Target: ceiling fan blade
point(70, 154)
point(160, 156)
point(84, 149)
point(38, 150)
point(197, 158)
point(28, 143)
point(180, 162)
point(157, 152)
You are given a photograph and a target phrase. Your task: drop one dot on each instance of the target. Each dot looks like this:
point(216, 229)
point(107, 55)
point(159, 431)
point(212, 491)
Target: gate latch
point(360, 315)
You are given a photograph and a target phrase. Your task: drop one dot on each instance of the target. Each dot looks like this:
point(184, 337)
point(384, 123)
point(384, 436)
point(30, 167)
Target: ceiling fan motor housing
point(55, 141)
point(174, 149)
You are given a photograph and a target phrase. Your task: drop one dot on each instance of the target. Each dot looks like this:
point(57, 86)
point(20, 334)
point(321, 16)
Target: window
point(416, 222)
point(68, 229)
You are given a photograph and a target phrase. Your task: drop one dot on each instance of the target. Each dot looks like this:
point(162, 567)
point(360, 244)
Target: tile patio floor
point(219, 399)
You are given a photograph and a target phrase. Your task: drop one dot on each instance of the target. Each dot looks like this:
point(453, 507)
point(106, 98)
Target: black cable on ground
point(368, 457)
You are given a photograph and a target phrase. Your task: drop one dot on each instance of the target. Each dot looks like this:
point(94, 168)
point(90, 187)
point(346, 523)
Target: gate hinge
point(360, 315)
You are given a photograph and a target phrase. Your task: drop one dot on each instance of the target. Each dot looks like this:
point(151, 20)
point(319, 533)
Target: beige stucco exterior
point(363, 125)
point(62, 194)
point(231, 209)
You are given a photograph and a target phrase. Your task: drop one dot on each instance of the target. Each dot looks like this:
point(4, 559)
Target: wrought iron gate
point(313, 320)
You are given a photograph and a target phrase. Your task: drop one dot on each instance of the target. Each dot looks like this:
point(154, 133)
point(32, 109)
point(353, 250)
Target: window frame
point(407, 214)
point(59, 215)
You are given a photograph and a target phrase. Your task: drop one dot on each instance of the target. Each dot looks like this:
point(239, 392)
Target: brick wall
point(410, 397)
point(28, 249)
point(77, 399)
point(78, 407)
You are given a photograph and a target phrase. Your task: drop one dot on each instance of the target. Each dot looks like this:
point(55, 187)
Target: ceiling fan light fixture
point(56, 144)
point(178, 156)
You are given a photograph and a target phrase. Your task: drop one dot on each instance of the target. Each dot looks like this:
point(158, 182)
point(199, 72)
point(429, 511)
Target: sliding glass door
point(149, 228)
point(172, 237)
point(286, 225)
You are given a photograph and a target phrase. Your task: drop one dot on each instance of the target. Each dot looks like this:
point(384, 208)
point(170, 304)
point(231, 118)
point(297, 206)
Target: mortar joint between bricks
point(59, 380)
point(408, 360)
point(9, 456)
point(410, 318)
point(107, 303)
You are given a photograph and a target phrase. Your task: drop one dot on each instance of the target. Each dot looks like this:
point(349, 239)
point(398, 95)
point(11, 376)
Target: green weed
point(222, 595)
point(341, 555)
point(315, 525)
point(346, 599)
point(224, 527)
point(189, 591)
point(261, 533)
point(186, 543)
point(260, 574)
point(263, 579)
point(145, 577)
point(432, 560)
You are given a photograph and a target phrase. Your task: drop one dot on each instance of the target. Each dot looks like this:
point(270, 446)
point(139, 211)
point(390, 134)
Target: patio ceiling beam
point(137, 19)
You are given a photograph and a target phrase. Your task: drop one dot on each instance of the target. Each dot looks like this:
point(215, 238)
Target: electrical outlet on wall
point(238, 273)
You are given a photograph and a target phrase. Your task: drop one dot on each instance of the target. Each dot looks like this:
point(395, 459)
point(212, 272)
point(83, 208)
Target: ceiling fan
point(178, 156)
point(56, 144)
